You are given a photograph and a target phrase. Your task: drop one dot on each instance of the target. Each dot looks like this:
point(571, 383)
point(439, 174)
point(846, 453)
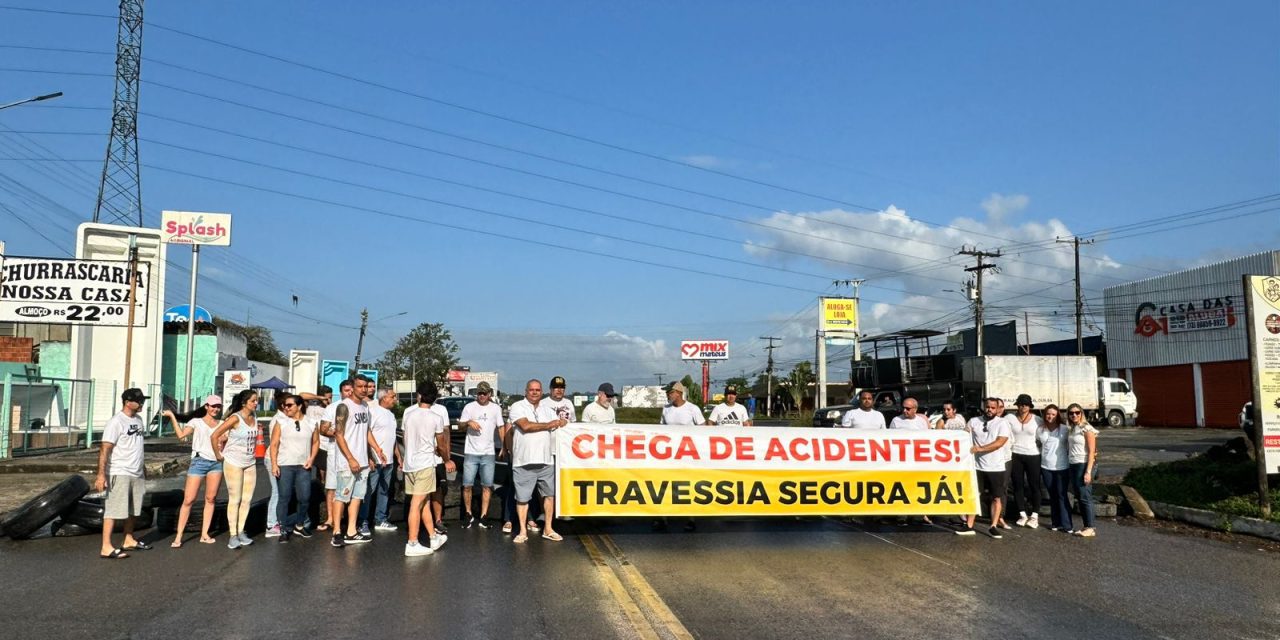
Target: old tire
point(86, 513)
point(63, 529)
point(170, 499)
point(27, 519)
point(1115, 419)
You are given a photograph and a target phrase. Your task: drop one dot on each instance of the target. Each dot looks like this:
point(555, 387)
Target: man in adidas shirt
point(355, 442)
point(864, 416)
point(729, 413)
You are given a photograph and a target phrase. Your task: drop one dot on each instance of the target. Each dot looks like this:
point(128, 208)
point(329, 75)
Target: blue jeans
point(294, 483)
point(1084, 492)
point(1059, 505)
point(272, 519)
point(378, 495)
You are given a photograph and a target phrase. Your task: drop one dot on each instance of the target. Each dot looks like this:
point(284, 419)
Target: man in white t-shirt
point(358, 454)
point(329, 470)
point(601, 411)
point(120, 474)
point(382, 424)
point(532, 460)
point(444, 466)
point(560, 404)
point(865, 415)
point(678, 410)
point(424, 433)
point(990, 434)
point(910, 418)
point(481, 419)
point(729, 413)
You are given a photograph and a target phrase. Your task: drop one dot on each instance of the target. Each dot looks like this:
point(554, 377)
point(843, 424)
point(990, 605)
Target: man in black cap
point(563, 406)
point(120, 474)
point(601, 411)
point(729, 413)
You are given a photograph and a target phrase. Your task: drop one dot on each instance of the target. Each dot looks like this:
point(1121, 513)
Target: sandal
point(552, 536)
point(139, 546)
point(323, 527)
point(116, 554)
point(208, 540)
point(176, 544)
point(520, 539)
point(506, 527)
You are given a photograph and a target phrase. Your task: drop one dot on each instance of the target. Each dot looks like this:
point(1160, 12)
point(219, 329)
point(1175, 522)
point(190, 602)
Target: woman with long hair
point(294, 444)
point(1055, 472)
point(1082, 453)
point(239, 464)
point(205, 467)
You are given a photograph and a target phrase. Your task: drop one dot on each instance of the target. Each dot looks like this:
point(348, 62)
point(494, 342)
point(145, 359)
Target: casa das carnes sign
point(1151, 319)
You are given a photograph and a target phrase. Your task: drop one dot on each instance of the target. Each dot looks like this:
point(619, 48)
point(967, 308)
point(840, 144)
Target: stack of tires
point(69, 510)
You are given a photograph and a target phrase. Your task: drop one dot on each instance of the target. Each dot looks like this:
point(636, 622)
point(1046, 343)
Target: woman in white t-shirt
point(1025, 455)
point(294, 445)
point(239, 463)
point(1055, 471)
point(1082, 454)
point(204, 467)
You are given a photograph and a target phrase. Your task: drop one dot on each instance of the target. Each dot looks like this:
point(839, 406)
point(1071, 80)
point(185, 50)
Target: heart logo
point(690, 349)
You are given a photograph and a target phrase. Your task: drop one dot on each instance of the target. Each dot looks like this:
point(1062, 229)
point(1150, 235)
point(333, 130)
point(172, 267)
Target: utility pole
point(1075, 243)
point(769, 369)
point(857, 335)
point(120, 188)
point(977, 270)
point(660, 377)
point(364, 324)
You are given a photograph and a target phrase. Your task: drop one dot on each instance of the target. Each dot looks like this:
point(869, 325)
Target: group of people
point(1054, 452)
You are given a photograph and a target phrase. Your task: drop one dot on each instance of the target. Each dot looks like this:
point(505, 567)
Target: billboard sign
point(191, 227)
point(333, 372)
point(1264, 358)
point(838, 315)
point(704, 350)
point(234, 381)
point(66, 291)
point(180, 313)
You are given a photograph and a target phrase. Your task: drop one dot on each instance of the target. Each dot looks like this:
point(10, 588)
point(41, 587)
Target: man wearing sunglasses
point(990, 433)
point(910, 418)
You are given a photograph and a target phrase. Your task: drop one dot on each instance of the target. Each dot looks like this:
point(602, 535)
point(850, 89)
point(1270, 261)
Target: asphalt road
point(818, 578)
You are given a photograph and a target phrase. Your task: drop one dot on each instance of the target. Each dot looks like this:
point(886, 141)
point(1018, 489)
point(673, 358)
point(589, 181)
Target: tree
point(261, 346)
point(744, 387)
point(426, 353)
point(797, 382)
point(692, 390)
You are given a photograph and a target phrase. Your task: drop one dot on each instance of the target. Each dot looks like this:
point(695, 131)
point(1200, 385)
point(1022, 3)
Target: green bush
point(1217, 480)
point(638, 415)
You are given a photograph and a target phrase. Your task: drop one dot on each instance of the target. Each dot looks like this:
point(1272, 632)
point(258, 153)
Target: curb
point(153, 468)
point(1218, 521)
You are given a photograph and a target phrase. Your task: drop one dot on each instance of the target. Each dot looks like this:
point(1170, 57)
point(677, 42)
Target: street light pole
point(47, 96)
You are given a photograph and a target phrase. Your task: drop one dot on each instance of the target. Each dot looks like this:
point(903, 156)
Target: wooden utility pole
point(977, 270)
point(1075, 242)
point(133, 305)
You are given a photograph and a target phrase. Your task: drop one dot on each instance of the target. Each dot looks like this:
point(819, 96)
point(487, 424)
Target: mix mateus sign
point(1193, 315)
point(704, 350)
point(190, 227)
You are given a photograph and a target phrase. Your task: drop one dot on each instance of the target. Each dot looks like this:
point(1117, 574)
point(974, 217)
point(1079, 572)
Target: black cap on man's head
point(134, 395)
point(606, 389)
point(1024, 399)
point(557, 383)
point(731, 390)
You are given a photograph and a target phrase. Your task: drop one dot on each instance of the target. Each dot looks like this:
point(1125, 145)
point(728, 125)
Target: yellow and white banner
point(645, 470)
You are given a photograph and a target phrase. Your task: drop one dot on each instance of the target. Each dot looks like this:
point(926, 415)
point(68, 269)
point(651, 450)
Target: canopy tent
point(271, 383)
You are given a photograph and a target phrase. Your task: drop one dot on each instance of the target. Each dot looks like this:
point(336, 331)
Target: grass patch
point(637, 415)
point(1222, 479)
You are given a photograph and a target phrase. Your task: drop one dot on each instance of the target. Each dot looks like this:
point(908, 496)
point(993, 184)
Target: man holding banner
point(532, 461)
point(990, 433)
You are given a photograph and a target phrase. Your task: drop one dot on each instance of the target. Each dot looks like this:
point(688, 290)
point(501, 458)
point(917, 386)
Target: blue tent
point(273, 383)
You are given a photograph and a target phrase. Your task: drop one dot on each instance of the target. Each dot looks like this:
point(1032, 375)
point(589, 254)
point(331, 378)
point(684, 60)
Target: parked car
point(1246, 422)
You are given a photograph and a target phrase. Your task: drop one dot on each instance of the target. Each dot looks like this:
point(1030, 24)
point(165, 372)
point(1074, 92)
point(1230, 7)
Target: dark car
point(454, 405)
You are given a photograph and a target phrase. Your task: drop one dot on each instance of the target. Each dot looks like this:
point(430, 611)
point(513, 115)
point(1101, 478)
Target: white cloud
point(999, 206)
point(584, 360)
point(706, 161)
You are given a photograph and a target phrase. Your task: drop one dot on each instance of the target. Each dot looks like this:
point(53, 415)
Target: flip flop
point(176, 544)
point(116, 554)
point(520, 539)
point(140, 546)
point(506, 528)
point(323, 527)
point(208, 540)
point(553, 536)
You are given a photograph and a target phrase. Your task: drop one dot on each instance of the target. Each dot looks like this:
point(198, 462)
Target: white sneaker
point(1034, 521)
point(385, 526)
point(273, 532)
point(414, 549)
point(438, 541)
point(1022, 519)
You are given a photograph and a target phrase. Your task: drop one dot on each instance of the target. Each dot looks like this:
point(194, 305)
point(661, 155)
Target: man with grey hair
point(532, 461)
point(382, 425)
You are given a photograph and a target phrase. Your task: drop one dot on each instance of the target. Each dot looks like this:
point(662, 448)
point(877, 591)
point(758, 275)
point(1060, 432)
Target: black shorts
point(442, 479)
point(994, 484)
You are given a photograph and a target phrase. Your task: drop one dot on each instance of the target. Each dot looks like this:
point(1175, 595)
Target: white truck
point(474, 378)
point(1060, 380)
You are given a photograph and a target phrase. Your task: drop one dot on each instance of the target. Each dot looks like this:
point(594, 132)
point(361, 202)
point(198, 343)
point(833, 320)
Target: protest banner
point(643, 470)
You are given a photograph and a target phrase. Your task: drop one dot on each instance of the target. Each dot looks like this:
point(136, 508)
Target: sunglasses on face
point(288, 404)
point(1073, 413)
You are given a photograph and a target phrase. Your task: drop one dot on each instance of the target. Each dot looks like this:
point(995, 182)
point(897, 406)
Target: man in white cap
point(601, 411)
point(678, 410)
point(729, 413)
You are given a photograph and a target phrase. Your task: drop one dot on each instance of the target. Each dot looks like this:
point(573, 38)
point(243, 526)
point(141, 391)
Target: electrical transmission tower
point(120, 191)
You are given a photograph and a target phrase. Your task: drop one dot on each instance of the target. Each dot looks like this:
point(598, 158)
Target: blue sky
point(898, 133)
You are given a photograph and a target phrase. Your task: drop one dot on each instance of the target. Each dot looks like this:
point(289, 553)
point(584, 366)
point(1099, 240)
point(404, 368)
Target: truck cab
point(1117, 404)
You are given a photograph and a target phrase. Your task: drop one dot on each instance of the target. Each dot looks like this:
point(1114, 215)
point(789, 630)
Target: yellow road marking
point(629, 606)
point(646, 591)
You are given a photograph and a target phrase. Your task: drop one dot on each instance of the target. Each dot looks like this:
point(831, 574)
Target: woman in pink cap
point(199, 424)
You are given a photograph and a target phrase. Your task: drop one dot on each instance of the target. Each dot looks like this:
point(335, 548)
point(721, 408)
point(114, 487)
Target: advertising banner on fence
point(234, 381)
point(645, 470)
point(64, 291)
point(1264, 356)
